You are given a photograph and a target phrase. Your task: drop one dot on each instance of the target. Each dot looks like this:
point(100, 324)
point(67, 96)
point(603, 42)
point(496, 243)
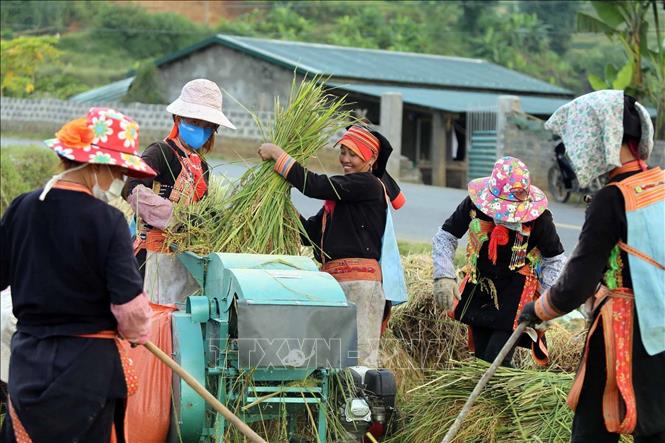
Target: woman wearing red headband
point(353, 230)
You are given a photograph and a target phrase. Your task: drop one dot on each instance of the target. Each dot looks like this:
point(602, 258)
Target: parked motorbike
point(562, 181)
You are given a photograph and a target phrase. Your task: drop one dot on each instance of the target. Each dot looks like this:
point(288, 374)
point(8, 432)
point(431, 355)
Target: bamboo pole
point(452, 432)
point(207, 396)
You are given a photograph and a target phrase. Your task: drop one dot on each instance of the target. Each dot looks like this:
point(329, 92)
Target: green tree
point(43, 17)
point(20, 60)
point(558, 19)
point(142, 34)
point(627, 22)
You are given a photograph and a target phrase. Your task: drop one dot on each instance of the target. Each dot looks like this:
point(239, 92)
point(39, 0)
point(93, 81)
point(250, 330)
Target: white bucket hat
point(200, 99)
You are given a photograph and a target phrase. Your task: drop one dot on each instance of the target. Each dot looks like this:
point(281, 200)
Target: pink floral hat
point(104, 136)
point(508, 195)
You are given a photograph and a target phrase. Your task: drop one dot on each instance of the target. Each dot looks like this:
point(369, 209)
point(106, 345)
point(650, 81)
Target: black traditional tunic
point(604, 226)
point(172, 182)
point(355, 227)
point(493, 302)
point(67, 260)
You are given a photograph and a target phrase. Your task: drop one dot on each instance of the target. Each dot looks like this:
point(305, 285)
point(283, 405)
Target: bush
point(24, 168)
point(142, 34)
point(146, 87)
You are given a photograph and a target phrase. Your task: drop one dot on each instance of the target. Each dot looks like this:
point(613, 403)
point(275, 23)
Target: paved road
point(14, 141)
point(427, 207)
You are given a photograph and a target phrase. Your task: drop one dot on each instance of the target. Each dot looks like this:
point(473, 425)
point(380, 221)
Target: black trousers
point(588, 424)
point(99, 430)
point(488, 344)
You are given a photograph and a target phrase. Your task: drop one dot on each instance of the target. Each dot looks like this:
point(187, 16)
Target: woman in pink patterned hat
point(513, 253)
point(75, 289)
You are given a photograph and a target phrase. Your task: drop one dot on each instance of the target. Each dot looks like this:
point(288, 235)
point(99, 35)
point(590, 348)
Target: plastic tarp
point(149, 410)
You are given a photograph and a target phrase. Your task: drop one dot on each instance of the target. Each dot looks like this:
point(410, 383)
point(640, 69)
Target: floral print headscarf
point(591, 128)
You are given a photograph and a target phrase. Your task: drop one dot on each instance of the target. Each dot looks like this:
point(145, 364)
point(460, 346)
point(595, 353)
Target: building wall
point(658, 155)
point(251, 81)
point(526, 138)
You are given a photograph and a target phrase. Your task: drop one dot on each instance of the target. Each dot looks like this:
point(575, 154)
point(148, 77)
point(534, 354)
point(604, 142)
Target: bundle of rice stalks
point(258, 216)
point(123, 206)
point(196, 226)
point(428, 335)
point(516, 406)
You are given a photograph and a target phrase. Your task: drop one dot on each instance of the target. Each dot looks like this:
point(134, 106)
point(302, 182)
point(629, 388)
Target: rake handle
point(457, 424)
point(207, 396)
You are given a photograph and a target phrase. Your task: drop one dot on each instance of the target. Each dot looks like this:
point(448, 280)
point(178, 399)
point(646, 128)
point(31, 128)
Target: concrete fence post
point(505, 105)
point(391, 128)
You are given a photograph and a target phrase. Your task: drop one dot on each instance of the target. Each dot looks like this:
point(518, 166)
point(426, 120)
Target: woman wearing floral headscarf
point(513, 253)
point(619, 262)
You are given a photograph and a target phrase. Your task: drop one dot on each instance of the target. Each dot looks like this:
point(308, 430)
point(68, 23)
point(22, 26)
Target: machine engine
point(372, 407)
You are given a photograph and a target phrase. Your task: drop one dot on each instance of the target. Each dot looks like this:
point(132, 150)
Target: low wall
point(526, 138)
point(47, 115)
point(41, 118)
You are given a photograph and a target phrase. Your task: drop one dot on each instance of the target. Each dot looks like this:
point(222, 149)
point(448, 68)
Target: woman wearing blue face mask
point(182, 173)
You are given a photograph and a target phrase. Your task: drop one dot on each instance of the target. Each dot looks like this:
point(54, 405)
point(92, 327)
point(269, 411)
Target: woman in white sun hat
point(182, 173)
point(75, 289)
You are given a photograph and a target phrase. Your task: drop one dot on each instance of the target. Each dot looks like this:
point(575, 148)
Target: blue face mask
point(194, 136)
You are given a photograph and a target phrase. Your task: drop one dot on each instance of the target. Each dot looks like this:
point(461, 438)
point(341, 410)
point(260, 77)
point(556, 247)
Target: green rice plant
point(257, 215)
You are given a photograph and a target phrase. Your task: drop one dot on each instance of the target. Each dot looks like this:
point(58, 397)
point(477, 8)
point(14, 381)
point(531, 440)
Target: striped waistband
point(349, 269)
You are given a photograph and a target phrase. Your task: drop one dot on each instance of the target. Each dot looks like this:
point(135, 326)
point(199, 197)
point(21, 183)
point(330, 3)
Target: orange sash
point(616, 315)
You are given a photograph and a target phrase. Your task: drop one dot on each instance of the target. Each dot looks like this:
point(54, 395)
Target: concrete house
point(439, 112)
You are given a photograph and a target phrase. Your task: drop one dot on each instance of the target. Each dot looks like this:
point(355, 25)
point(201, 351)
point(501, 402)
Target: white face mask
point(114, 190)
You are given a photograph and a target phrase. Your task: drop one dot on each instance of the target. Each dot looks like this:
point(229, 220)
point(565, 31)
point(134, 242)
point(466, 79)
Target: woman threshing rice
point(353, 230)
point(68, 257)
point(182, 173)
point(513, 252)
point(620, 387)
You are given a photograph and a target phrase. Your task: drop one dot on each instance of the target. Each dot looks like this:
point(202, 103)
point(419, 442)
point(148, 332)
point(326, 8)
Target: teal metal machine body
point(259, 323)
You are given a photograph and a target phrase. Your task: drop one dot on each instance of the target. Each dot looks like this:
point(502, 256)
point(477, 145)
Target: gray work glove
point(445, 290)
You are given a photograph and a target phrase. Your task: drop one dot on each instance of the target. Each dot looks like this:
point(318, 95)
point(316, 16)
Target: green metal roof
point(112, 92)
point(379, 65)
point(454, 101)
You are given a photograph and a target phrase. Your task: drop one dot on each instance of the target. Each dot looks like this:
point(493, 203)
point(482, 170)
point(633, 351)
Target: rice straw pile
point(257, 215)
point(517, 405)
point(436, 374)
point(433, 340)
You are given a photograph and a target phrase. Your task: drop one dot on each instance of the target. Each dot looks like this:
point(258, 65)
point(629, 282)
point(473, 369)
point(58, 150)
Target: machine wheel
point(556, 185)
